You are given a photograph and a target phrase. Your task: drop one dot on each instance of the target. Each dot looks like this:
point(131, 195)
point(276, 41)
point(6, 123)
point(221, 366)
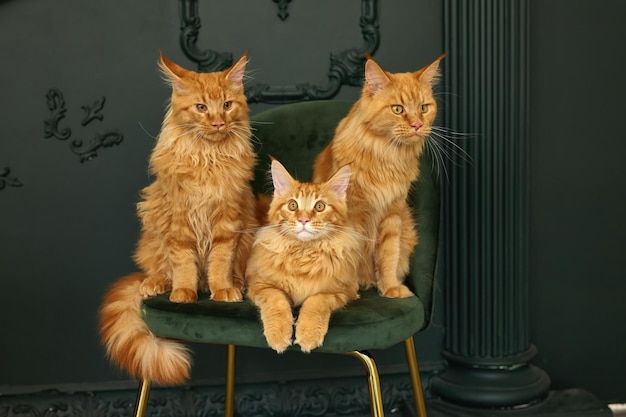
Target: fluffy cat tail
point(129, 342)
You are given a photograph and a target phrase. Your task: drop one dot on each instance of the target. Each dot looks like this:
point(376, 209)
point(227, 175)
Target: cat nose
point(417, 125)
point(217, 125)
point(304, 220)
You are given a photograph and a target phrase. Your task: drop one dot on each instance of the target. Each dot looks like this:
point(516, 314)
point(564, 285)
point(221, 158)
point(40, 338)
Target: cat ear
point(172, 72)
point(236, 73)
point(430, 74)
point(281, 178)
point(375, 78)
point(338, 183)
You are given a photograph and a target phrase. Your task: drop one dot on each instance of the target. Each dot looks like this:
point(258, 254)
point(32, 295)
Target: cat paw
point(152, 286)
point(400, 291)
point(310, 338)
point(227, 294)
point(279, 339)
point(183, 295)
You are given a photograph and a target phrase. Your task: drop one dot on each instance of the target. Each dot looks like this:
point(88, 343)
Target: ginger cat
point(305, 257)
point(194, 216)
point(382, 138)
point(193, 213)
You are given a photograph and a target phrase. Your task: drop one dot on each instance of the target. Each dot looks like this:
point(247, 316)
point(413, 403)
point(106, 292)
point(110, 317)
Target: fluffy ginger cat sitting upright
point(194, 212)
point(382, 138)
point(194, 218)
point(305, 257)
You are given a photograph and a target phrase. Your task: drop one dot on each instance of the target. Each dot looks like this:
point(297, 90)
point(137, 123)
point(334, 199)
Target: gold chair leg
point(416, 382)
point(373, 382)
point(142, 398)
point(229, 399)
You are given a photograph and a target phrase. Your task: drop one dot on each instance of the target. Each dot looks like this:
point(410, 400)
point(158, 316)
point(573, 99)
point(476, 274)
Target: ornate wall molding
point(331, 397)
point(102, 139)
point(346, 67)
point(56, 105)
point(92, 112)
point(282, 9)
point(207, 60)
point(8, 181)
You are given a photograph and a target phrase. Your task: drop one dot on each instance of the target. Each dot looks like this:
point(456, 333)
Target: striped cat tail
point(129, 342)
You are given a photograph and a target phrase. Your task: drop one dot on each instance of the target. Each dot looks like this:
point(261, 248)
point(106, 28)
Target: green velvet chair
point(295, 134)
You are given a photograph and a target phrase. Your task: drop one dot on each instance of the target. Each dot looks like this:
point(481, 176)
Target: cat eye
point(202, 108)
point(320, 206)
point(228, 105)
point(292, 205)
point(424, 108)
point(397, 109)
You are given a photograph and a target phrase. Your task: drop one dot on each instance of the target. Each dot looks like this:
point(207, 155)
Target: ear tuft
point(338, 183)
point(281, 179)
point(430, 73)
point(235, 74)
point(172, 73)
point(375, 77)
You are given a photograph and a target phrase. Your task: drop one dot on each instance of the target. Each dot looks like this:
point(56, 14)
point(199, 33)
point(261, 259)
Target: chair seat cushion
point(371, 322)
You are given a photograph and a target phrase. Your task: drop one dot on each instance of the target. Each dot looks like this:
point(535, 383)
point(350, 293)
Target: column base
point(566, 403)
point(491, 388)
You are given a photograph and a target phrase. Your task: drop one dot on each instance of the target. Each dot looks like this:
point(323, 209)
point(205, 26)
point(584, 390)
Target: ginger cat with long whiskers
point(194, 212)
point(306, 257)
point(195, 218)
point(382, 138)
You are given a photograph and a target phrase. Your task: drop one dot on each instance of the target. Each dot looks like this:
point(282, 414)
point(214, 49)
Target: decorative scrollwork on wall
point(346, 67)
point(86, 151)
point(56, 105)
point(207, 59)
point(93, 112)
point(8, 181)
point(282, 9)
point(106, 139)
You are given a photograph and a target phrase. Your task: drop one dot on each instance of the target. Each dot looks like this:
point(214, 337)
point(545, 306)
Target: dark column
point(486, 208)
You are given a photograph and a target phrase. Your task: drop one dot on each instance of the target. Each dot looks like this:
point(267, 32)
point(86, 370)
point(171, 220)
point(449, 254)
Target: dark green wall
point(578, 193)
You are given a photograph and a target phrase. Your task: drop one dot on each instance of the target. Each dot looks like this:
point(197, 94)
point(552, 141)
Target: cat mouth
point(416, 137)
point(304, 234)
point(215, 135)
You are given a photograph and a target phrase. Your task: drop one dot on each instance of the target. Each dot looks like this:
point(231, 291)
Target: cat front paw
point(183, 295)
point(152, 286)
point(279, 338)
point(310, 336)
point(400, 291)
point(227, 294)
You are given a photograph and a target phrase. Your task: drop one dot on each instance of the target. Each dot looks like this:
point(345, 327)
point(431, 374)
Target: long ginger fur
point(198, 212)
point(382, 138)
point(197, 218)
point(305, 257)
point(129, 342)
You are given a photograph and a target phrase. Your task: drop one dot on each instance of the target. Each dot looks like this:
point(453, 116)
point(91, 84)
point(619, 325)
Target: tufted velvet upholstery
point(295, 134)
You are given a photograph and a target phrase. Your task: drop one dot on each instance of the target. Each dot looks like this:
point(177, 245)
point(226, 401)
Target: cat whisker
point(248, 76)
point(245, 133)
point(146, 131)
point(443, 148)
point(453, 133)
point(348, 231)
point(438, 159)
point(258, 122)
point(453, 149)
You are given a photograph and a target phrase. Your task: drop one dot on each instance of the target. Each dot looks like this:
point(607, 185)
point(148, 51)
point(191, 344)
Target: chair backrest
point(296, 133)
